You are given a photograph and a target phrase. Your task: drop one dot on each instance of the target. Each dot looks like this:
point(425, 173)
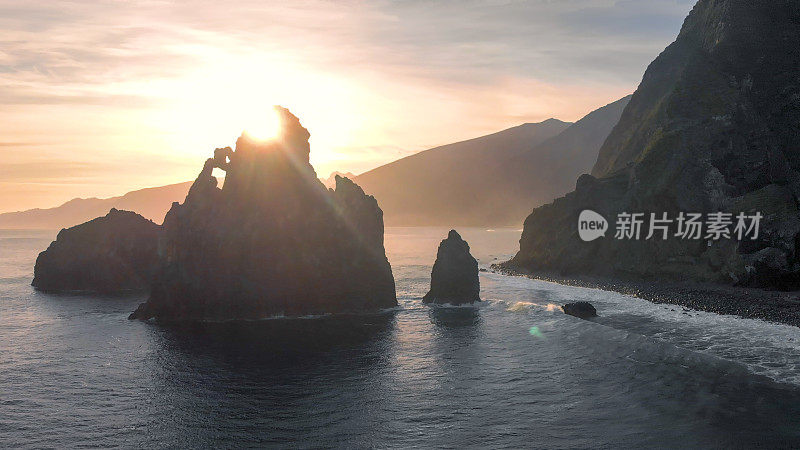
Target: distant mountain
point(549, 170)
point(492, 180)
point(445, 185)
point(151, 203)
point(330, 182)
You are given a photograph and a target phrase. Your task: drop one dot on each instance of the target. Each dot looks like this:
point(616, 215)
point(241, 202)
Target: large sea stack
point(713, 127)
point(272, 241)
point(454, 279)
point(113, 253)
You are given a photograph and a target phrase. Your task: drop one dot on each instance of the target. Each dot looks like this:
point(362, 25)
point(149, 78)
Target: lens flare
point(535, 332)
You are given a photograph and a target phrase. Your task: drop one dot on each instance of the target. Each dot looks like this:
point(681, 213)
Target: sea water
point(512, 372)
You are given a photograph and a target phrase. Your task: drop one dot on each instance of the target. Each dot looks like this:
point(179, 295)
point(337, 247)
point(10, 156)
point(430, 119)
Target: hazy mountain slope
point(442, 186)
point(152, 203)
point(549, 170)
point(494, 180)
point(713, 127)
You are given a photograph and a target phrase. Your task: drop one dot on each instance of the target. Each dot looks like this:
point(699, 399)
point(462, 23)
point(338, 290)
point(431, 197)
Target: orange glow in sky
point(100, 98)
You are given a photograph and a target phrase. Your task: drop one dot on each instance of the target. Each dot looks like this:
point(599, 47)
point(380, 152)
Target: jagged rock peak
point(272, 240)
point(292, 138)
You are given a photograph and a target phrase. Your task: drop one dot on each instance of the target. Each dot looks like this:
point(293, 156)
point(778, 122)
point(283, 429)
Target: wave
point(765, 348)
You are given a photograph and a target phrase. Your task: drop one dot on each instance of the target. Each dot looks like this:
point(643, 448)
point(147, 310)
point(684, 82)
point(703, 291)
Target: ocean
point(511, 372)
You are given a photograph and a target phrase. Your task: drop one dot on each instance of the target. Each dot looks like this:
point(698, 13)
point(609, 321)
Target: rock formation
point(272, 241)
point(330, 182)
point(113, 253)
point(454, 279)
point(581, 310)
point(713, 127)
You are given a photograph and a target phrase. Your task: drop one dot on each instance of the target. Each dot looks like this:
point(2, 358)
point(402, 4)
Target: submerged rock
point(454, 279)
point(113, 253)
point(272, 241)
point(581, 310)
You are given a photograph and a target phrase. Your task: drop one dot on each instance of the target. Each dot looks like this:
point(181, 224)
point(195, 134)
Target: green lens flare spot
point(534, 331)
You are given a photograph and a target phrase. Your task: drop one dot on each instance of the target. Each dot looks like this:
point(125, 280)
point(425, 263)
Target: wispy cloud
point(451, 41)
point(110, 79)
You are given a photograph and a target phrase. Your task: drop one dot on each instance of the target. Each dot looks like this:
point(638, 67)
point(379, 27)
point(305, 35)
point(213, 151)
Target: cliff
point(713, 127)
point(272, 241)
point(113, 253)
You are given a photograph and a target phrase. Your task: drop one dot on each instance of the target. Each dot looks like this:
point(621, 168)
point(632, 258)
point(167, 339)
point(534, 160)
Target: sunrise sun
point(264, 125)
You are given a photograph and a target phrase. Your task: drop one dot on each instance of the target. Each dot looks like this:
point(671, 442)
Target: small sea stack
point(581, 310)
point(454, 278)
point(114, 253)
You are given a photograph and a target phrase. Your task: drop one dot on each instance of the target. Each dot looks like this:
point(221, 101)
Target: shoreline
point(749, 303)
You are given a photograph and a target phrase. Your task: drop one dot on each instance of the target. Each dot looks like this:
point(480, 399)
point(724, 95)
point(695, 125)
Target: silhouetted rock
point(113, 253)
point(330, 182)
point(272, 241)
point(454, 278)
point(713, 127)
point(581, 310)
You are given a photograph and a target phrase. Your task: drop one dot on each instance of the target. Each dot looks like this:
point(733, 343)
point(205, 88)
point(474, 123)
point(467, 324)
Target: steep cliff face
point(726, 89)
point(272, 241)
point(113, 253)
point(714, 126)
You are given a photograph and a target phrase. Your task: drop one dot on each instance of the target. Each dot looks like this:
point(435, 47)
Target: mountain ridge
point(491, 180)
point(490, 185)
point(152, 203)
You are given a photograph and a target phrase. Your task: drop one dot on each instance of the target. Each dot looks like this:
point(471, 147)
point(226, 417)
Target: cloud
point(108, 81)
point(17, 97)
point(16, 144)
point(448, 41)
point(40, 171)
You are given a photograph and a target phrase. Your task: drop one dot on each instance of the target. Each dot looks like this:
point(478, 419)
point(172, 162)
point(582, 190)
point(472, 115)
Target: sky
point(98, 98)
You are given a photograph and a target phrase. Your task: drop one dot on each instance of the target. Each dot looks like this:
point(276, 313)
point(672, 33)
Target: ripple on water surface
point(512, 371)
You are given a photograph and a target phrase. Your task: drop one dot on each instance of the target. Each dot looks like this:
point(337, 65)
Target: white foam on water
point(765, 348)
